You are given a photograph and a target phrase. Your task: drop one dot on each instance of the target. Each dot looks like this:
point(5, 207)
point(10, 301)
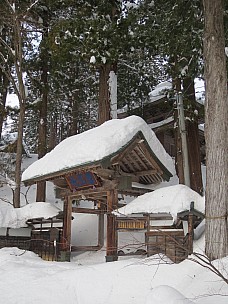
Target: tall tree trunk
point(74, 117)
point(18, 63)
point(53, 131)
point(4, 84)
point(42, 134)
point(216, 131)
point(74, 102)
point(104, 111)
point(193, 138)
point(17, 191)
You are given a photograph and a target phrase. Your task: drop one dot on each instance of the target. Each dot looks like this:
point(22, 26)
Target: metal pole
point(183, 133)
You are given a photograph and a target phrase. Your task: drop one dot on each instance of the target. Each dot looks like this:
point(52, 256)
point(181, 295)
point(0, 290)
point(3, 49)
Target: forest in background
point(56, 56)
point(67, 46)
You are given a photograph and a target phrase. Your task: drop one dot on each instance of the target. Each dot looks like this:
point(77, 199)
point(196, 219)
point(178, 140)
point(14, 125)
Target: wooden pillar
point(111, 249)
point(190, 232)
point(66, 236)
point(101, 226)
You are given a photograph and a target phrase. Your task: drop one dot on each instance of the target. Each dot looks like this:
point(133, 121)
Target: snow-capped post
point(183, 133)
point(113, 93)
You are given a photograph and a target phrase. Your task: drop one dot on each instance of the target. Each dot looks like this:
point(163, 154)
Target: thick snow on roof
point(171, 200)
point(161, 123)
point(95, 144)
point(11, 217)
point(160, 89)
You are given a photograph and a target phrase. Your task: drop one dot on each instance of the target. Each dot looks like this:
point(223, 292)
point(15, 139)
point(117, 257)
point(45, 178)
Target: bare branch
point(11, 51)
point(204, 261)
point(10, 78)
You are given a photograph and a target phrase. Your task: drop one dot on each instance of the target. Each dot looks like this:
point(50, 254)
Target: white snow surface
point(87, 279)
point(166, 294)
point(11, 217)
point(172, 199)
point(95, 144)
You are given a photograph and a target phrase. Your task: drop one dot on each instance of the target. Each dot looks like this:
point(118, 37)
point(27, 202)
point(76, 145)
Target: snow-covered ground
point(26, 279)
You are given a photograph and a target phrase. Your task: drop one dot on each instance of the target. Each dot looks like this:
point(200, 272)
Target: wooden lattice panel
point(170, 242)
point(131, 224)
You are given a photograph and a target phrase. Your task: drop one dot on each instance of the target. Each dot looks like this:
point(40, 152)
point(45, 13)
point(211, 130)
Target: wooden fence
point(46, 249)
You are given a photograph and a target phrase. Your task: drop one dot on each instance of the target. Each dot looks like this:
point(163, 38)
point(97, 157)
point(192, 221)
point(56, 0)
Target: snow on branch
point(29, 8)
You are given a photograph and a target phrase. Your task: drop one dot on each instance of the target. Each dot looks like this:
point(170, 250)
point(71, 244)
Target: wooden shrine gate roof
point(134, 162)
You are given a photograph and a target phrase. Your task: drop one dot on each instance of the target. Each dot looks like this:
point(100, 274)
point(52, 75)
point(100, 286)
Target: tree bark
point(216, 131)
point(17, 191)
point(53, 131)
point(104, 112)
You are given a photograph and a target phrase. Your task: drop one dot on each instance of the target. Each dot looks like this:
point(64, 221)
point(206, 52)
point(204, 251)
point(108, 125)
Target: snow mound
point(166, 294)
point(172, 199)
point(11, 217)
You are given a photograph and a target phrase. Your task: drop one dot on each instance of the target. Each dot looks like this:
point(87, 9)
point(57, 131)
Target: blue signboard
point(82, 180)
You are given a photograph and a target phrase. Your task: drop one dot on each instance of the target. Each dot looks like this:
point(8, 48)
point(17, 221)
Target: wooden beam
point(84, 194)
point(122, 154)
point(134, 152)
point(134, 191)
point(130, 162)
point(145, 172)
point(60, 183)
point(152, 162)
point(86, 210)
point(85, 248)
point(105, 173)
